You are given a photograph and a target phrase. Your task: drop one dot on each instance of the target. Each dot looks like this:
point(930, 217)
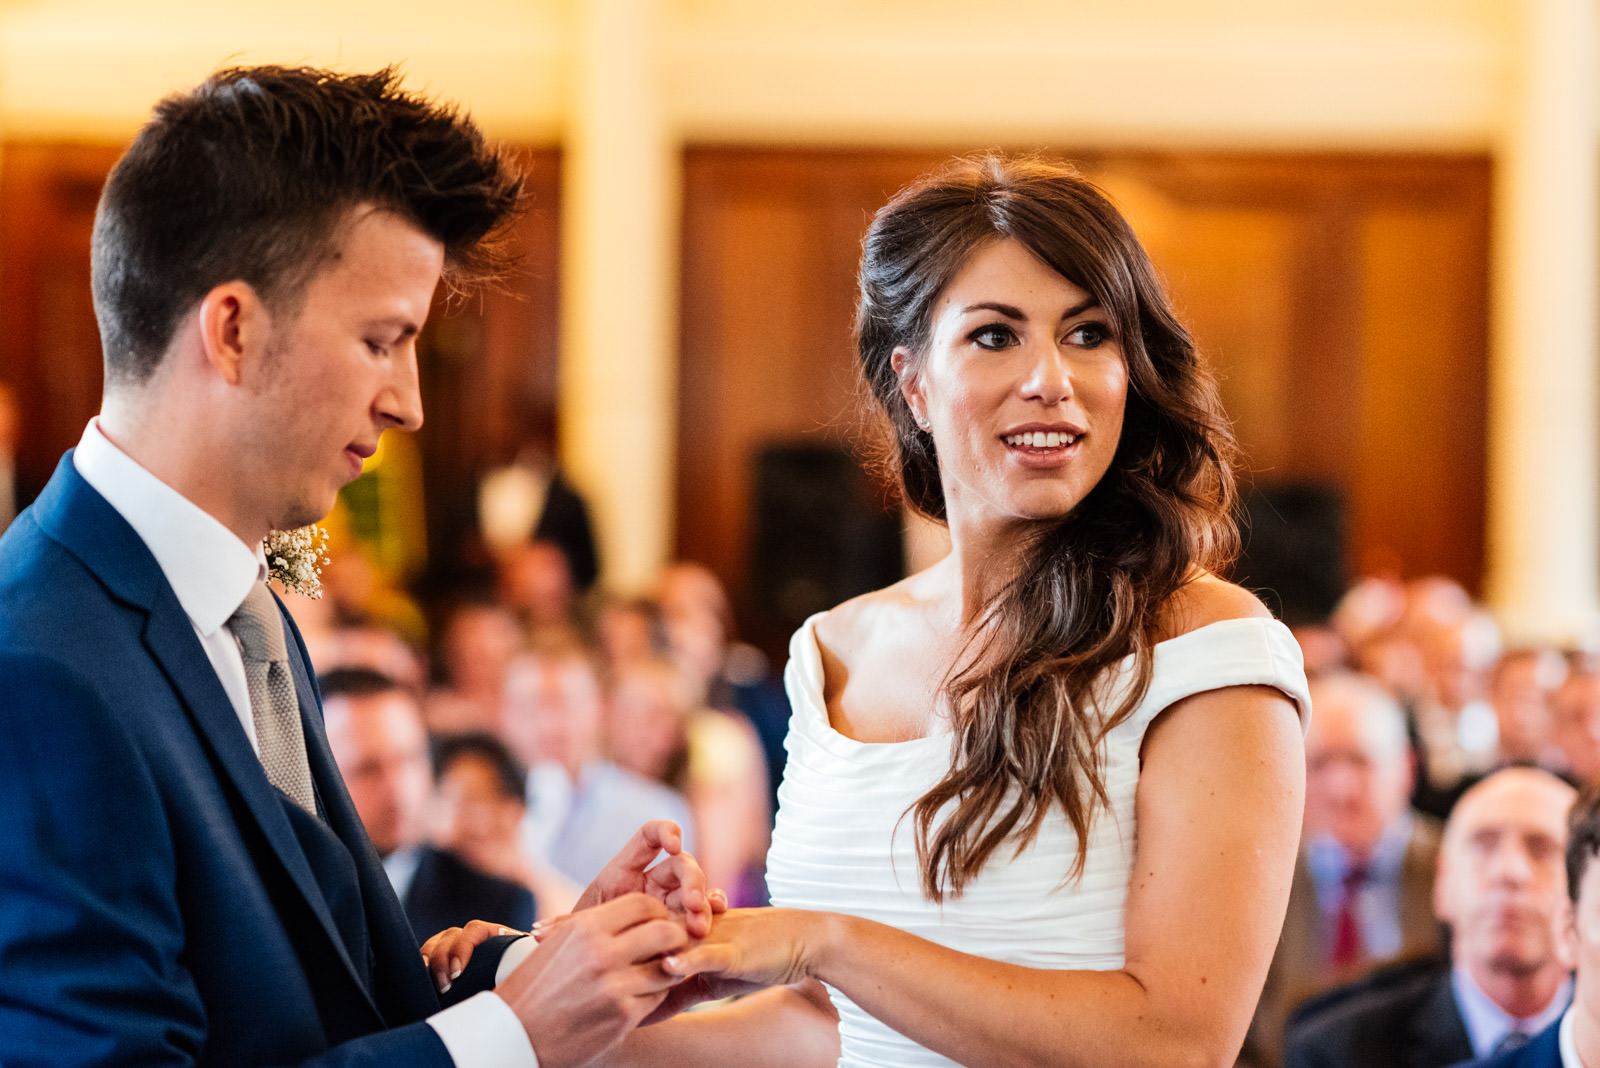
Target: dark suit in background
point(446, 892)
point(1400, 1017)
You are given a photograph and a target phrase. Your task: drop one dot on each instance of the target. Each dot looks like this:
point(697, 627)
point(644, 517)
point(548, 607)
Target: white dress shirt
point(211, 571)
point(1568, 1044)
point(1487, 1023)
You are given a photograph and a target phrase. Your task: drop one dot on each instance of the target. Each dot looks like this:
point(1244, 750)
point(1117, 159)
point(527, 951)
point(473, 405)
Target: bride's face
point(1023, 388)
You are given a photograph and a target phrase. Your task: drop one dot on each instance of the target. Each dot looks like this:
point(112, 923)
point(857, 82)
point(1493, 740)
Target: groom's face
point(342, 370)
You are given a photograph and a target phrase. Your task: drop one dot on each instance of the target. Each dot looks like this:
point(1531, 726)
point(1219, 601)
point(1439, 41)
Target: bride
point(1042, 799)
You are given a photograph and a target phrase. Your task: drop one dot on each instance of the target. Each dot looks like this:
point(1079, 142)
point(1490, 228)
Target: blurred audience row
point(1429, 921)
point(498, 767)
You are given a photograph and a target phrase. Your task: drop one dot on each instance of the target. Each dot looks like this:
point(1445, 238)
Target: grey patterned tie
point(1512, 1040)
point(259, 627)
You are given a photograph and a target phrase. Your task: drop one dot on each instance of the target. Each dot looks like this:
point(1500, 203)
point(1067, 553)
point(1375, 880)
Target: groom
point(183, 878)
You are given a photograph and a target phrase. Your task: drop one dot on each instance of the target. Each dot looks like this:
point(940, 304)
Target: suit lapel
point(88, 527)
point(1436, 1033)
point(399, 978)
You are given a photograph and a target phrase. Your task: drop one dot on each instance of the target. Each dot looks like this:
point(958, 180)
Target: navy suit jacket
point(160, 902)
point(446, 891)
point(1542, 1051)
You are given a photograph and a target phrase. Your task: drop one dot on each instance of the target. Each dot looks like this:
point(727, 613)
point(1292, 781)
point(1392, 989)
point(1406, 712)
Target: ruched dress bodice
point(844, 843)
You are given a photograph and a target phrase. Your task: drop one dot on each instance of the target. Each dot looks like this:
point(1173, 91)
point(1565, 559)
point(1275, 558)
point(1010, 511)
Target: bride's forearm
point(979, 1011)
point(776, 1028)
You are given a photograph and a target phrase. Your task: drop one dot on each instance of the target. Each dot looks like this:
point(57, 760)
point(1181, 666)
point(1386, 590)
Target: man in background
point(1501, 888)
point(375, 731)
point(577, 799)
point(1363, 883)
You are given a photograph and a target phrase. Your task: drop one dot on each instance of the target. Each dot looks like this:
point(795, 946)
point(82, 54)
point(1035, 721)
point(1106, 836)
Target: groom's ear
point(234, 326)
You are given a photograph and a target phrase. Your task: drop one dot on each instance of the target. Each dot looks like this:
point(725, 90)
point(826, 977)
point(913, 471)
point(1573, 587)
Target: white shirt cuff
point(515, 954)
point(483, 1032)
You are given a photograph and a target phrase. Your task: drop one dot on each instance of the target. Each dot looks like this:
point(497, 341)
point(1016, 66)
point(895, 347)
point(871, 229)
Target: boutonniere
point(295, 559)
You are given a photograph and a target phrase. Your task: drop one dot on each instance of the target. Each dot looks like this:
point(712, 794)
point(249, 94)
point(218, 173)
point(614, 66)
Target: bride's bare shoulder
point(1207, 599)
point(873, 619)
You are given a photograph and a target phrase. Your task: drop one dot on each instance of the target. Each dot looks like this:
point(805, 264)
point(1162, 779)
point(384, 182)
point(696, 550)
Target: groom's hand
point(594, 977)
point(677, 881)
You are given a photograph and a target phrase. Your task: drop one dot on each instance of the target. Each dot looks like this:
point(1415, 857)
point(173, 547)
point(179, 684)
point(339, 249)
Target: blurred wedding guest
point(1574, 1040)
point(375, 730)
point(1363, 883)
point(474, 645)
point(627, 629)
point(1394, 660)
point(480, 799)
point(579, 803)
point(1575, 723)
point(1369, 608)
point(1522, 688)
point(371, 646)
point(529, 499)
point(1501, 888)
point(535, 583)
point(1322, 647)
point(1457, 724)
point(730, 674)
point(361, 594)
point(713, 757)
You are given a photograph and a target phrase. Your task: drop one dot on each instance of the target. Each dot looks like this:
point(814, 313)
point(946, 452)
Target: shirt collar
point(1487, 1023)
point(401, 867)
point(1568, 1043)
point(206, 564)
point(1328, 860)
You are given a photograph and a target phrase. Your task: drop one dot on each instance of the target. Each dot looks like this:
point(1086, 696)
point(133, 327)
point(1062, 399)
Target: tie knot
point(1513, 1040)
point(258, 625)
point(1355, 876)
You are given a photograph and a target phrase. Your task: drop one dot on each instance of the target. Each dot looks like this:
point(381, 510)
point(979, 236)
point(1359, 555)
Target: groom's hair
point(248, 177)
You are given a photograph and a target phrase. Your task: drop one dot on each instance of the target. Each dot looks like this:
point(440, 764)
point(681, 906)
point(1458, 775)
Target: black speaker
point(820, 535)
point(1294, 549)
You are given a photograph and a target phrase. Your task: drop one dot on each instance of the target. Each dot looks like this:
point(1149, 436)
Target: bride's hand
point(761, 947)
point(447, 953)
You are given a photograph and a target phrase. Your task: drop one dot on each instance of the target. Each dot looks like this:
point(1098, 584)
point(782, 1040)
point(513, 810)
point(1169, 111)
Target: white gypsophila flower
point(295, 558)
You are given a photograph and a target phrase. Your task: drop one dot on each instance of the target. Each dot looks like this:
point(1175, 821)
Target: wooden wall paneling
point(1419, 486)
point(489, 368)
point(50, 347)
point(771, 239)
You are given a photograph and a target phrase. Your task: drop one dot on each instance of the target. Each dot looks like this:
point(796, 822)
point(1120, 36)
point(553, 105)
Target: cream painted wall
point(1324, 73)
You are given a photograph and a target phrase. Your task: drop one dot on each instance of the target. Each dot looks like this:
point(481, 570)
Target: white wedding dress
point(840, 842)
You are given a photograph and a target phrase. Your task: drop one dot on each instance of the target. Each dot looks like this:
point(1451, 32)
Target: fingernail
point(671, 963)
point(445, 989)
point(505, 930)
point(455, 970)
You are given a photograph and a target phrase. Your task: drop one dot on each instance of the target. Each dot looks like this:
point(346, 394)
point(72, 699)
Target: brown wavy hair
point(1027, 696)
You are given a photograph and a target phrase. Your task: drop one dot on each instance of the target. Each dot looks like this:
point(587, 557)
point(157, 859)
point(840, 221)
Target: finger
point(624, 912)
point(439, 968)
point(646, 942)
point(718, 899)
point(646, 843)
point(706, 958)
point(696, 909)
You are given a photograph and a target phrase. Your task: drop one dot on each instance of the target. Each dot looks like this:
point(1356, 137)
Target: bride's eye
point(993, 336)
point(1089, 335)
